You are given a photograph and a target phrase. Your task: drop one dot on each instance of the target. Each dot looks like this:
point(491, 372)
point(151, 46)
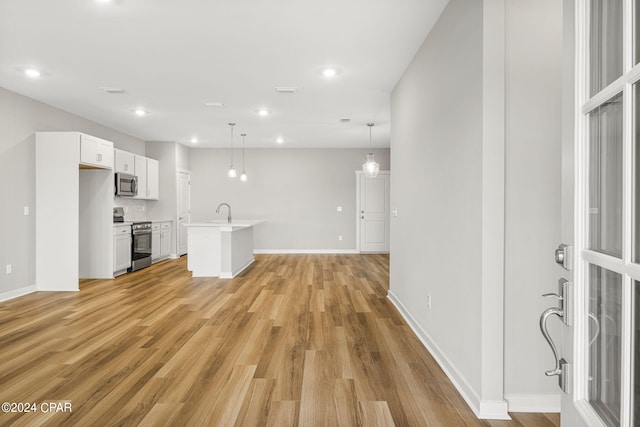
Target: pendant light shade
point(232, 170)
point(243, 175)
point(370, 167)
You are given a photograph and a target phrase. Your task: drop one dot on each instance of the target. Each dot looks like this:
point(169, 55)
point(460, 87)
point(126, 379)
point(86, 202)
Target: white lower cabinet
point(160, 240)
point(155, 241)
point(121, 249)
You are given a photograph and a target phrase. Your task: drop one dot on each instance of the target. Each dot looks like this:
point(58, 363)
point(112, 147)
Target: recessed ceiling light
point(103, 1)
point(140, 112)
point(194, 140)
point(329, 72)
point(32, 72)
point(280, 140)
point(263, 112)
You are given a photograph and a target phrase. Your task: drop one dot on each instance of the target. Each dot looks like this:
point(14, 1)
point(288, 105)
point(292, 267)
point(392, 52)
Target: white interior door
point(373, 212)
point(184, 209)
point(600, 216)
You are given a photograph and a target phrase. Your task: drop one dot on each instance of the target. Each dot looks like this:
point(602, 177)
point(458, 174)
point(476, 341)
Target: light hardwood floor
point(296, 340)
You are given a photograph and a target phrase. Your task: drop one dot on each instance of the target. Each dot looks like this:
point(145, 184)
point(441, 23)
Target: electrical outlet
point(429, 302)
point(340, 237)
point(8, 268)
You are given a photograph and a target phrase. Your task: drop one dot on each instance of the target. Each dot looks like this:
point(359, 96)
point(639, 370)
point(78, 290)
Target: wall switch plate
point(395, 212)
point(340, 237)
point(8, 268)
point(429, 302)
point(339, 209)
point(26, 210)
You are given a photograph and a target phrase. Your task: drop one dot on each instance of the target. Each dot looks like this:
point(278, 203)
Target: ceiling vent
point(214, 104)
point(286, 89)
point(345, 120)
point(110, 89)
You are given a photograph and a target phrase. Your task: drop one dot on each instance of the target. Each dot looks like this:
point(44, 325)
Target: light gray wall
point(436, 147)
point(533, 176)
point(295, 190)
point(436, 158)
point(21, 117)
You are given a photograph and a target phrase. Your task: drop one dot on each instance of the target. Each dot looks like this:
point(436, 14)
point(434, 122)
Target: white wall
point(436, 158)
point(447, 114)
point(21, 117)
point(534, 101)
point(296, 191)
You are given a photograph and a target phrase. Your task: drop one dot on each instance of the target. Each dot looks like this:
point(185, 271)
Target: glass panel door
point(606, 338)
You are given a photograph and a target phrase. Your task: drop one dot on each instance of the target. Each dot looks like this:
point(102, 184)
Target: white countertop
point(118, 224)
point(223, 224)
point(160, 220)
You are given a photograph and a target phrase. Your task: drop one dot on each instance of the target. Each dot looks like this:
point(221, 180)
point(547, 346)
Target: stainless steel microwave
point(126, 185)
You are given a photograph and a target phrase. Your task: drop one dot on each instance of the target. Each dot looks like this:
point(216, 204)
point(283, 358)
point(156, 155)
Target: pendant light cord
point(232, 125)
point(243, 135)
point(370, 143)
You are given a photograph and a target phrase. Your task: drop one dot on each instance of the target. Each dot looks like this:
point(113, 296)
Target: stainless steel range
point(141, 246)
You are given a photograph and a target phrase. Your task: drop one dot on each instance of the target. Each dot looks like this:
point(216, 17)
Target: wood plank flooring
point(296, 340)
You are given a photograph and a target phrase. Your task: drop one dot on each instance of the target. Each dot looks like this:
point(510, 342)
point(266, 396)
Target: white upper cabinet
point(153, 181)
point(125, 162)
point(96, 152)
point(145, 169)
point(141, 174)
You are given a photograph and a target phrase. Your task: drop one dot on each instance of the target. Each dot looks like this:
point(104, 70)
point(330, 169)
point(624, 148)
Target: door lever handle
point(552, 295)
point(553, 311)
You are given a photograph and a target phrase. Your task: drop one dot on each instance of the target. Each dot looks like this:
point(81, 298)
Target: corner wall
point(476, 128)
point(21, 118)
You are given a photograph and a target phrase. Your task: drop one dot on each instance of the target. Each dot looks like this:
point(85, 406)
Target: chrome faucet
point(229, 207)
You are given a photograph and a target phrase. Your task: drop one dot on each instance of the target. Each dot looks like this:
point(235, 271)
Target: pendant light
point(370, 167)
point(243, 175)
point(232, 170)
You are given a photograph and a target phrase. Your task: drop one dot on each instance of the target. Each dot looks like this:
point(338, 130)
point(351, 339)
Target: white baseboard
point(533, 402)
point(493, 410)
point(17, 293)
point(305, 251)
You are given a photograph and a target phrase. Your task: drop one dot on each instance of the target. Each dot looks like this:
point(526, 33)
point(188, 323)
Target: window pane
point(605, 328)
point(605, 43)
point(605, 178)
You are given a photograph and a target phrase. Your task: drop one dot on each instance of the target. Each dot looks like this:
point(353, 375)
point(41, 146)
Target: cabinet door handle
point(99, 157)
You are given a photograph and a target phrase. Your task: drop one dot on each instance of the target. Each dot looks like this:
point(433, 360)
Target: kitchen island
point(220, 249)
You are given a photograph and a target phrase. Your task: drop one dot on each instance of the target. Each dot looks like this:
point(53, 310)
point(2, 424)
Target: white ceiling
point(172, 56)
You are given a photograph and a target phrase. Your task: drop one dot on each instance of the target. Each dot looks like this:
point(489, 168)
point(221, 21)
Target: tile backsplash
point(134, 210)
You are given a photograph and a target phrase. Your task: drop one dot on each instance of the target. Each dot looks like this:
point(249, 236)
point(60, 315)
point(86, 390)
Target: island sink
point(218, 248)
